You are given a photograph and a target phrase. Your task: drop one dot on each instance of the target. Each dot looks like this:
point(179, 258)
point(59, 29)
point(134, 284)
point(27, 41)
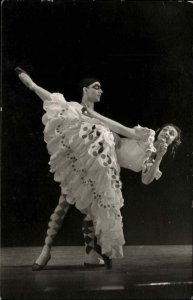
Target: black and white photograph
point(96, 152)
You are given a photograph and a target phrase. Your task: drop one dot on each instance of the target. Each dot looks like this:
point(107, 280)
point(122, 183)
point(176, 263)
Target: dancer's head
point(171, 134)
point(91, 89)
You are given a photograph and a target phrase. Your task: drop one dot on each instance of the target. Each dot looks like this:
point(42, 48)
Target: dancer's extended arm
point(138, 133)
point(30, 84)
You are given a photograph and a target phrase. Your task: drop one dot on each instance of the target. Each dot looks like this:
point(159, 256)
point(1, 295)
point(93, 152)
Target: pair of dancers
point(86, 154)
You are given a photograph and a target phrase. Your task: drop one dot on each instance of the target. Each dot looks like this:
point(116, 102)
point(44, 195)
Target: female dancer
point(140, 156)
point(84, 162)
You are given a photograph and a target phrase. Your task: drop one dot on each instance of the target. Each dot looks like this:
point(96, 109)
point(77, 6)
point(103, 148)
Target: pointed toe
point(37, 267)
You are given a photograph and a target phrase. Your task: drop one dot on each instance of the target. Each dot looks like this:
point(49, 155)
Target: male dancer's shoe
point(94, 256)
point(93, 260)
point(107, 260)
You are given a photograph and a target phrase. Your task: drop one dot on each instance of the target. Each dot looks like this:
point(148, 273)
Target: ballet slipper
point(37, 267)
point(42, 260)
point(92, 259)
point(19, 70)
point(25, 79)
point(108, 262)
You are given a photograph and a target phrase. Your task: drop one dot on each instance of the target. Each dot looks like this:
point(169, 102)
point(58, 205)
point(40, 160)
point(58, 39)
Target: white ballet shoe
point(42, 260)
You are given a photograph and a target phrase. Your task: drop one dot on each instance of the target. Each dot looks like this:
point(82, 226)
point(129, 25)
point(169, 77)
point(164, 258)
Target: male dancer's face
point(93, 92)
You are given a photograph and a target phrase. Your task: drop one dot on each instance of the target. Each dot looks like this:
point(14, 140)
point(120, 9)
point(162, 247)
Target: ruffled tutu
point(84, 162)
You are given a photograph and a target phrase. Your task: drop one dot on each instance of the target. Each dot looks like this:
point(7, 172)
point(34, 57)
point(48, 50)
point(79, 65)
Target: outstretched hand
point(25, 78)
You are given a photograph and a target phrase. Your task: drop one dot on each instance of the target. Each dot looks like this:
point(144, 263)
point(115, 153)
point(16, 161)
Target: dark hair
point(85, 82)
point(176, 142)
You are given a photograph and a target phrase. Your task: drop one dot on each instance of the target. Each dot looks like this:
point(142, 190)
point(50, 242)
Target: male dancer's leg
point(93, 256)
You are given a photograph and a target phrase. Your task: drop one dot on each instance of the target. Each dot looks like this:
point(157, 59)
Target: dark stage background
point(142, 53)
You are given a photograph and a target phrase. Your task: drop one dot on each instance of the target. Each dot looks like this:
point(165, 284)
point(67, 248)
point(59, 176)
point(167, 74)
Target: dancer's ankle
point(44, 256)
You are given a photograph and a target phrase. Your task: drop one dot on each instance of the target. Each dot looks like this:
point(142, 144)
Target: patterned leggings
point(55, 224)
point(90, 240)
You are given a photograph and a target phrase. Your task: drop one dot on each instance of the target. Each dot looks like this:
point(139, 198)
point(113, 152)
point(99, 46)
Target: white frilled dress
point(84, 162)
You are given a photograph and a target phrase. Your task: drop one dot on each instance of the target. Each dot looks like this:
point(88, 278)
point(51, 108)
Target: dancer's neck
point(87, 103)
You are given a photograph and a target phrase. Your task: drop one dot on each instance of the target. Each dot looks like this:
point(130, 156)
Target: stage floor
point(145, 272)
